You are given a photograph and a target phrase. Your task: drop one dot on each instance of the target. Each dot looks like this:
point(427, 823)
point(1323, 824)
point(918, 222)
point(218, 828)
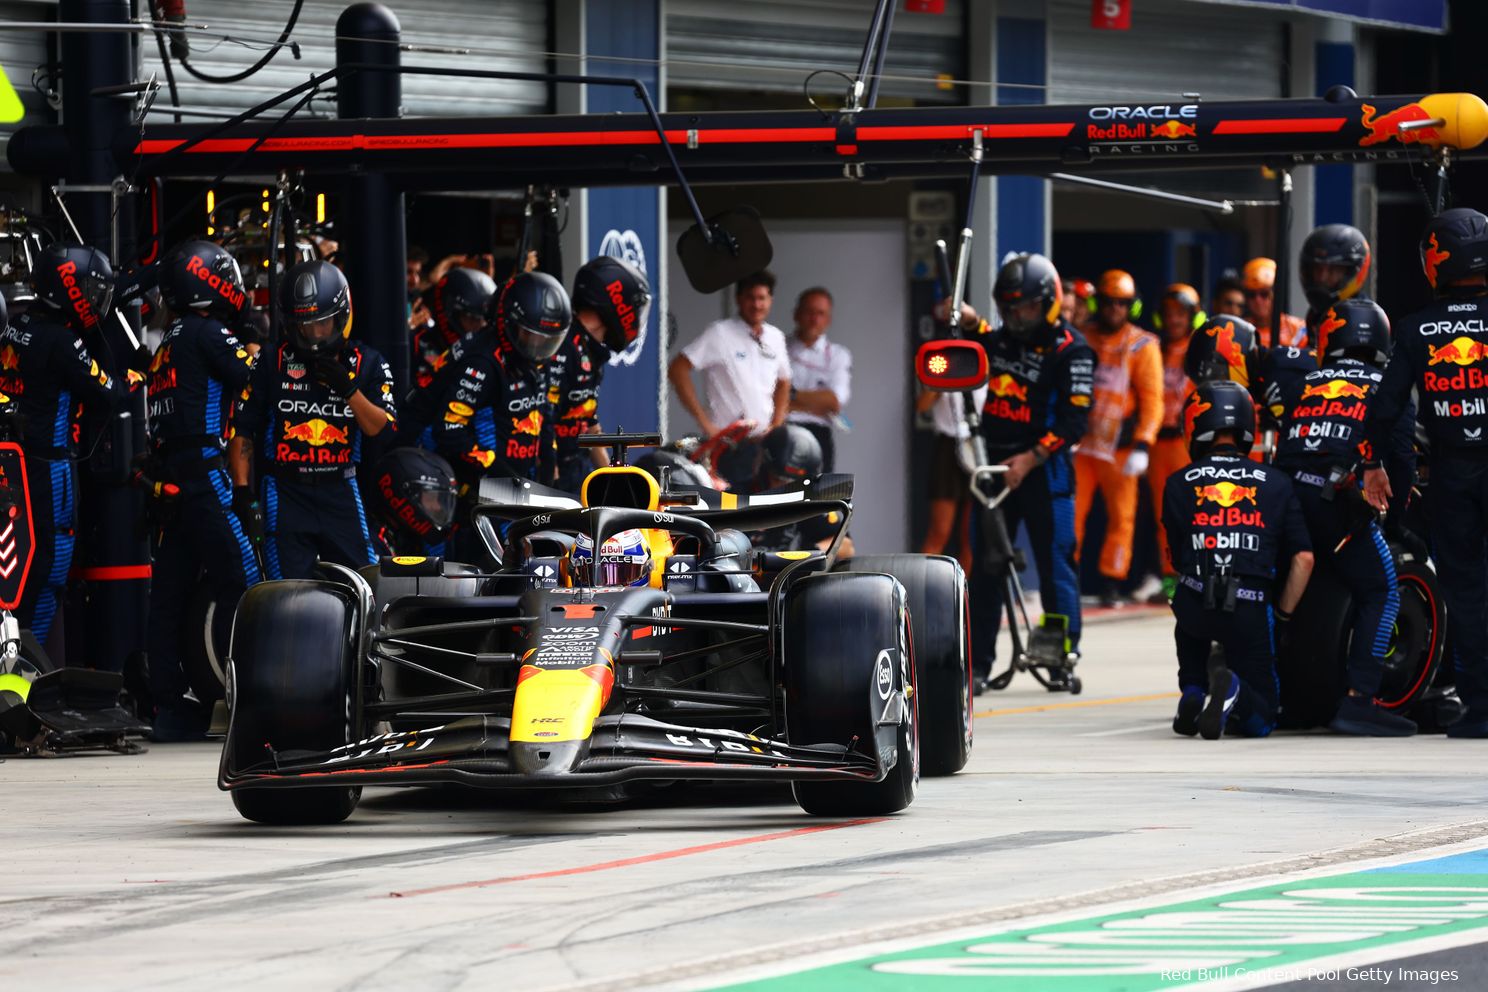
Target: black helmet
point(1218, 406)
point(1223, 348)
point(619, 293)
point(533, 312)
point(1025, 278)
point(1333, 246)
point(1354, 329)
point(789, 453)
point(4, 313)
point(75, 281)
point(199, 275)
point(1454, 247)
point(315, 302)
point(414, 494)
point(463, 292)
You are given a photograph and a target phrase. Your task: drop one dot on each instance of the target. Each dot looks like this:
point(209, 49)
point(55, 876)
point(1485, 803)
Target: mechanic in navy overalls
point(460, 304)
point(46, 369)
point(209, 529)
point(611, 305)
point(1038, 402)
point(1442, 353)
point(310, 403)
point(1320, 446)
point(1232, 523)
point(495, 412)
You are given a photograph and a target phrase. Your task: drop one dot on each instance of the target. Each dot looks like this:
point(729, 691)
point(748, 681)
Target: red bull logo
point(531, 425)
point(1172, 130)
point(224, 288)
point(1336, 389)
point(1195, 408)
point(1330, 323)
point(1434, 257)
point(624, 311)
point(1226, 494)
point(1005, 386)
point(1382, 129)
point(316, 433)
point(9, 360)
point(584, 411)
point(80, 305)
point(1458, 351)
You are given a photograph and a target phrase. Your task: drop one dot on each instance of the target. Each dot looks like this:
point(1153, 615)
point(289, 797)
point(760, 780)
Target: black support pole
point(369, 218)
point(109, 595)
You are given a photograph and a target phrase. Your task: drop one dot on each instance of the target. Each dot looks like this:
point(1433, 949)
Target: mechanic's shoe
point(1147, 590)
point(1190, 704)
point(1362, 716)
point(183, 721)
point(1473, 725)
point(1224, 689)
point(979, 684)
point(1110, 596)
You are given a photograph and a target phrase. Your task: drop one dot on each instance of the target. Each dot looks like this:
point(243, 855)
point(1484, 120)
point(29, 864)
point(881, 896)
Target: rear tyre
point(291, 688)
point(1419, 640)
point(204, 655)
point(847, 652)
point(940, 623)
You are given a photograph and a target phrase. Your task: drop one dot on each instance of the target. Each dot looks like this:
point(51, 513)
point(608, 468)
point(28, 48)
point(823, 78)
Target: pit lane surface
point(137, 873)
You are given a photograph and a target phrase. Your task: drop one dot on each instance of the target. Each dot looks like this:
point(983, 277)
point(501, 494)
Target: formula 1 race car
point(632, 635)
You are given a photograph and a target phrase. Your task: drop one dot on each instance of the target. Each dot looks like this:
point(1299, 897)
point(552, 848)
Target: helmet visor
point(1327, 276)
point(436, 504)
point(538, 345)
point(320, 334)
point(1022, 318)
point(612, 570)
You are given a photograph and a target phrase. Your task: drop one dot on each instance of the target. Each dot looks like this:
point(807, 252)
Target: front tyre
point(292, 689)
point(850, 680)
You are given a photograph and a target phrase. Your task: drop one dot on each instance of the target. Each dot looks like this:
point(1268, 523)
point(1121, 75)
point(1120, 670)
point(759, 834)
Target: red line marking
point(111, 573)
point(681, 852)
point(1301, 125)
point(920, 132)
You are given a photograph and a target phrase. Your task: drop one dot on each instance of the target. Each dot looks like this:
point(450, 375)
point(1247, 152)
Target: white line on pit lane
point(1139, 729)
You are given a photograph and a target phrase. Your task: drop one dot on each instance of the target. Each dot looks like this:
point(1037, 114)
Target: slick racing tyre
point(291, 685)
point(847, 653)
point(1419, 639)
point(940, 624)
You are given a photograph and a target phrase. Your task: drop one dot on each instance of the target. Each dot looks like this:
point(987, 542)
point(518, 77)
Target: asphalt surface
point(135, 872)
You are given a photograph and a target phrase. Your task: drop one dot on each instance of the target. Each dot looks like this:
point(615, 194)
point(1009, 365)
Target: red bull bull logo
point(1458, 351)
point(1226, 494)
point(1195, 408)
point(1330, 323)
point(1172, 130)
point(531, 425)
point(1382, 129)
point(316, 433)
point(1434, 257)
point(1335, 389)
point(1007, 387)
point(584, 411)
point(9, 360)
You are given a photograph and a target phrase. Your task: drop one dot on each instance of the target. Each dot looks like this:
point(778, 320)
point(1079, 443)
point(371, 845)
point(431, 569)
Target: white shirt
point(948, 416)
point(822, 365)
point(739, 372)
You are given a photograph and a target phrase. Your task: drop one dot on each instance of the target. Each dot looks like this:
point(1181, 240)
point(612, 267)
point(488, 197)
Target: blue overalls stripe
point(62, 547)
point(223, 488)
point(356, 495)
point(271, 519)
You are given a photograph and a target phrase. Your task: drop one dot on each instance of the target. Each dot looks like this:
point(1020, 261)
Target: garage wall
point(863, 264)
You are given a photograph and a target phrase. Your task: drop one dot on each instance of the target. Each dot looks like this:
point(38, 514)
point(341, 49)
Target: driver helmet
point(624, 560)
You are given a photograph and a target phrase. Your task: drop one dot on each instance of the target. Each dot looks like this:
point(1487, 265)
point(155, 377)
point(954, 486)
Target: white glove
point(1136, 462)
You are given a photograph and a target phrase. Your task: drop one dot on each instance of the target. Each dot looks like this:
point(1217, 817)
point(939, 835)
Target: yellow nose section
point(555, 705)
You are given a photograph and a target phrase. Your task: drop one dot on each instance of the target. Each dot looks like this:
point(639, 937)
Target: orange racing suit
point(1170, 452)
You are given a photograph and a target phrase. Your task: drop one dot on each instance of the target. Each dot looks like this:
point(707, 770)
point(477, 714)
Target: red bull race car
point(631, 635)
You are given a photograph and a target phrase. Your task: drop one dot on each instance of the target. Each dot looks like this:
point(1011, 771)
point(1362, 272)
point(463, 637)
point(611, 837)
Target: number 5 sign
point(1110, 15)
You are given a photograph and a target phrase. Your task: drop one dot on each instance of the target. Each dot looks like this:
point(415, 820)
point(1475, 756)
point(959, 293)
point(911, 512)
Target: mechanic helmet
point(1354, 329)
point(1454, 247)
point(199, 275)
point(1218, 406)
point(1028, 296)
point(790, 453)
point(533, 311)
point(1222, 348)
point(460, 302)
point(1185, 296)
point(315, 302)
point(414, 494)
point(624, 560)
point(1333, 264)
point(619, 293)
point(1258, 274)
point(75, 282)
point(4, 313)
point(1117, 284)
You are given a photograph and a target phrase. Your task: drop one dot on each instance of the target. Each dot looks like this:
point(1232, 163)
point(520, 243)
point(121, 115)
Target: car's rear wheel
point(291, 691)
point(1419, 639)
point(847, 655)
point(940, 623)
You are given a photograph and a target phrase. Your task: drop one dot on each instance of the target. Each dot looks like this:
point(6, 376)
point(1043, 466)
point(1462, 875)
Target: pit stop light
point(951, 366)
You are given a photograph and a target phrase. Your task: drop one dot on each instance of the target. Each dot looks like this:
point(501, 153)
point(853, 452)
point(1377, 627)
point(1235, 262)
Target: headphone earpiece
point(1091, 304)
point(1200, 319)
point(1136, 309)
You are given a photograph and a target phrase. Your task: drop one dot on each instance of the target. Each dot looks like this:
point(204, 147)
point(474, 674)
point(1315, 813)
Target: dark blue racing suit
point(1038, 398)
point(197, 374)
point(1232, 524)
point(47, 370)
point(309, 447)
point(575, 375)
